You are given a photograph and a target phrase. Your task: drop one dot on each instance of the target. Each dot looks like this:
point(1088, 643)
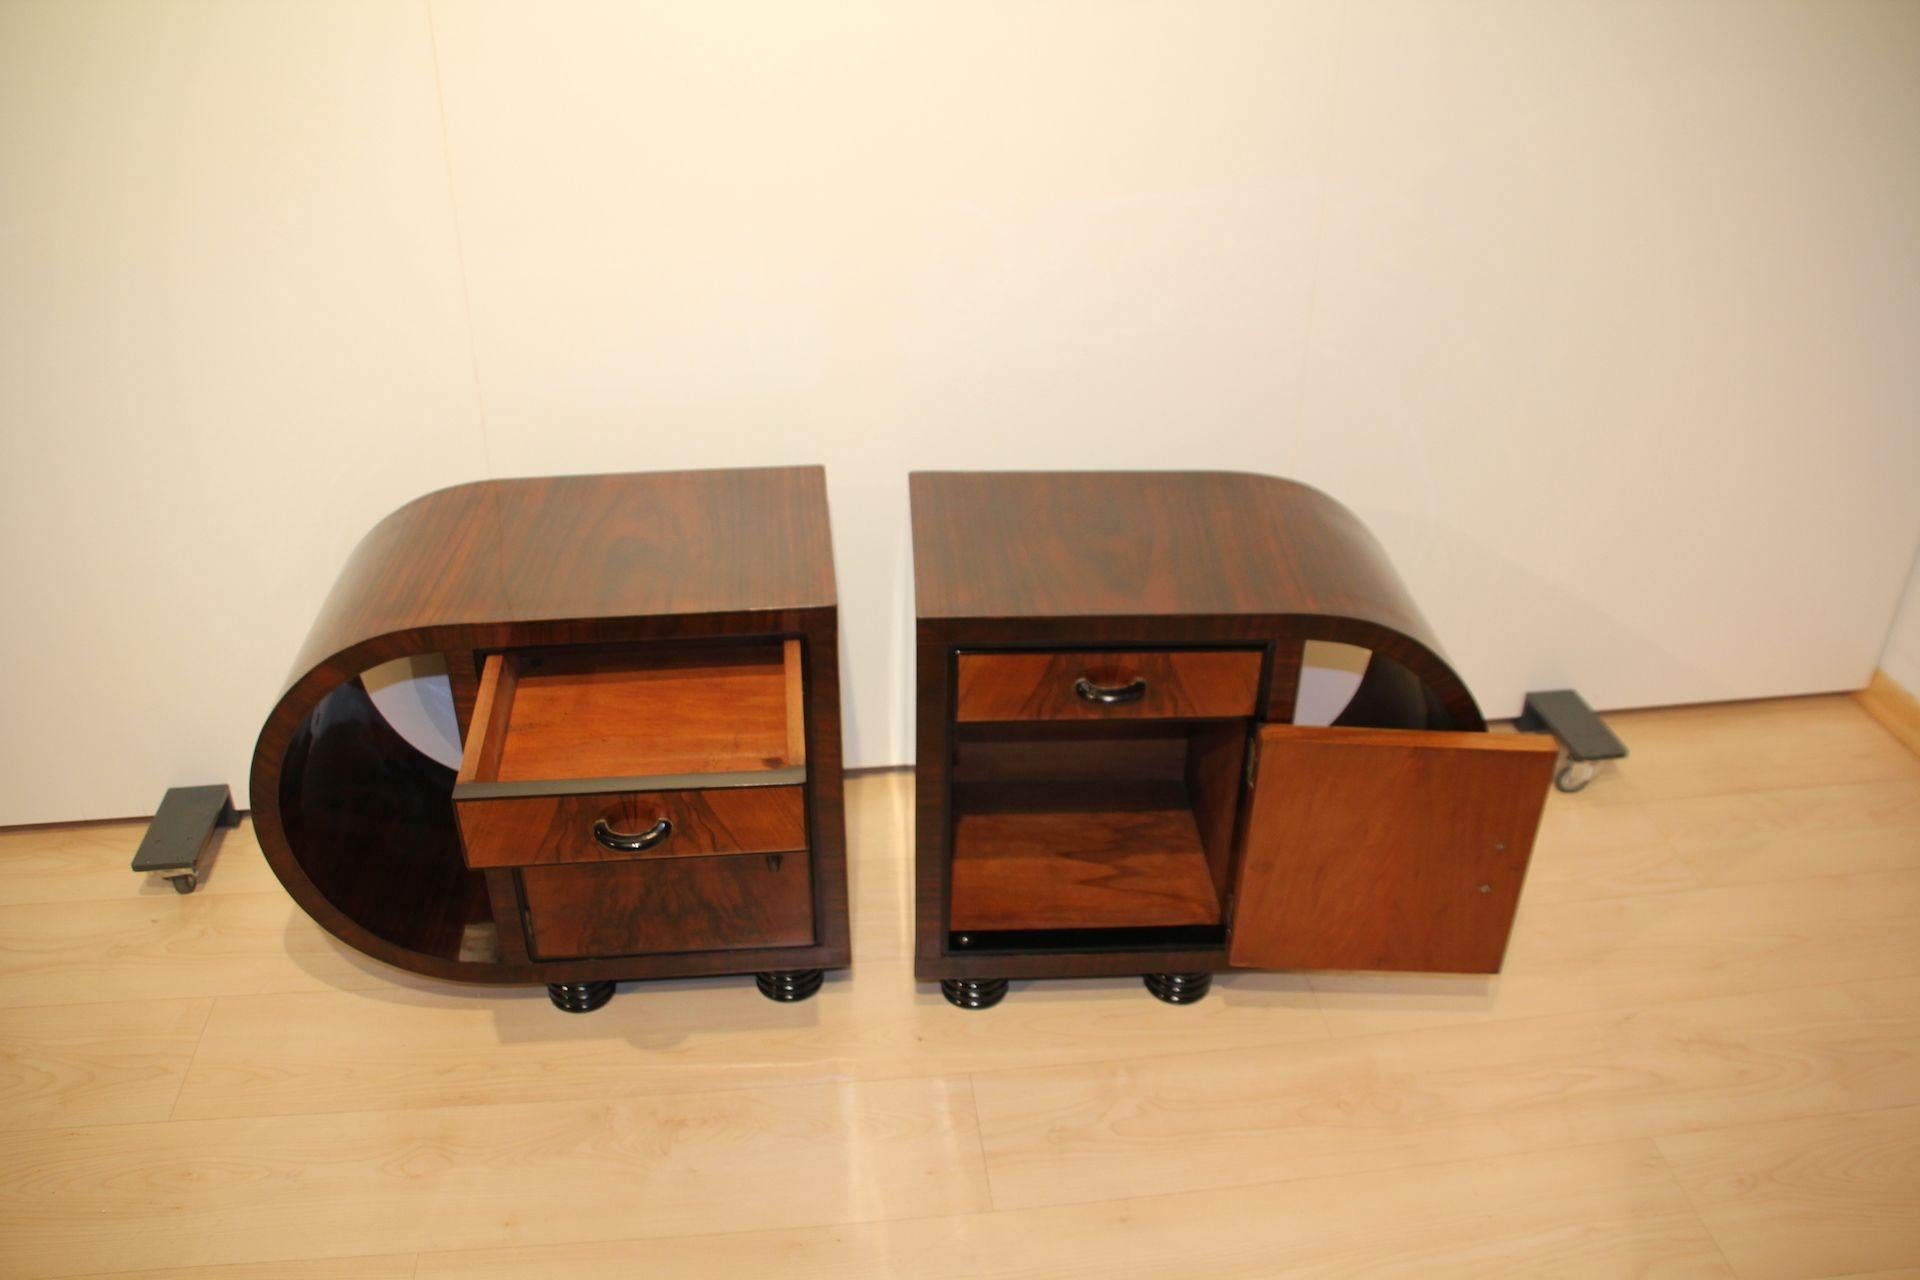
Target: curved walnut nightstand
point(645, 669)
point(1109, 779)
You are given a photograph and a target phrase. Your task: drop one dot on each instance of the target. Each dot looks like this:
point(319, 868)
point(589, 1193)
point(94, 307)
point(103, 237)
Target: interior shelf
point(1140, 865)
point(1071, 829)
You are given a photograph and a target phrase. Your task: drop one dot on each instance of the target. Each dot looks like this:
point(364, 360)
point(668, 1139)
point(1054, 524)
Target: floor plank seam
point(1762, 789)
point(935, 1072)
point(421, 1256)
point(980, 1139)
point(1767, 1121)
point(1700, 1214)
point(199, 1039)
point(1432, 1166)
point(173, 1111)
point(1319, 1010)
point(199, 1268)
point(1439, 1027)
point(597, 1098)
point(1545, 1147)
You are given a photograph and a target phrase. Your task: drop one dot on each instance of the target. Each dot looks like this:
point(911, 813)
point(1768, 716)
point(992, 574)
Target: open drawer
point(636, 752)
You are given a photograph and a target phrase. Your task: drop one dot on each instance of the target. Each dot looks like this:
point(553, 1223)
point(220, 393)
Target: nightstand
point(645, 669)
point(1109, 780)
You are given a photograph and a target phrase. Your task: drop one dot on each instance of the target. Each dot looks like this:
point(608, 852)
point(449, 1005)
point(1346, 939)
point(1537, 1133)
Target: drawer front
point(676, 904)
point(1108, 686)
point(541, 830)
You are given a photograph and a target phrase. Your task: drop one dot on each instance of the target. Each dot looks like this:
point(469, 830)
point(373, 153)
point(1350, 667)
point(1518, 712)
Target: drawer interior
point(1076, 827)
point(637, 711)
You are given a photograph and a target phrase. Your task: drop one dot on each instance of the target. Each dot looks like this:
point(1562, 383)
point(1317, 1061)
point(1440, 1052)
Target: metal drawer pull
point(1108, 695)
point(621, 842)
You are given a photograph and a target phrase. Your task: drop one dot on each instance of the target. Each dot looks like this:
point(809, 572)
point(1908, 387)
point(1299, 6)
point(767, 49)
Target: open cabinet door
point(1386, 848)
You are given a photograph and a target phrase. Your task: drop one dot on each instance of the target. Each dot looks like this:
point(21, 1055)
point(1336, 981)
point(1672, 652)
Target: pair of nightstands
point(645, 673)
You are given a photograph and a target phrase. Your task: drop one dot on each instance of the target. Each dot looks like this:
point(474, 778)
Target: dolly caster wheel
point(1574, 776)
point(1178, 988)
point(789, 985)
point(184, 884)
point(579, 997)
point(974, 993)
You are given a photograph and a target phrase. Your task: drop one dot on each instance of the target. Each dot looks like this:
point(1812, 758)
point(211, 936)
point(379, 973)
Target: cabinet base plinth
point(1179, 988)
point(789, 985)
point(974, 993)
point(579, 997)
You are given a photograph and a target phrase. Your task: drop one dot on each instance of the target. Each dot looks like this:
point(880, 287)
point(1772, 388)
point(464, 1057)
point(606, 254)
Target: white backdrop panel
point(1601, 314)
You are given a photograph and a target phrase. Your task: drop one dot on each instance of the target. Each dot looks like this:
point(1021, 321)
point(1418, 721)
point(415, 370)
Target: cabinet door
point(1386, 849)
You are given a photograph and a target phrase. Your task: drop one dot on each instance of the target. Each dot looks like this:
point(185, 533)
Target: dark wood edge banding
point(519, 789)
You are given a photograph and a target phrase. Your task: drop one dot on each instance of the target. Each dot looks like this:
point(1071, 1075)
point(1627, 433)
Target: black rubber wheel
point(579, 997)
point(789, 985)
point(184, 884)
point(1179, 988)
point(974, 993)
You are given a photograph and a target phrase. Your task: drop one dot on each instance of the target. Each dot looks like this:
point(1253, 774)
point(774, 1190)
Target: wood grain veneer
point(1081, 869)
point(679, 904)
point(360, 828)
point(535, 830)
point(1381, 849)
point(1042, 686)
point(629, 711)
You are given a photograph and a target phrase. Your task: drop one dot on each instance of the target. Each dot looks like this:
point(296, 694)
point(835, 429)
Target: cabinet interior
point(1075, 828)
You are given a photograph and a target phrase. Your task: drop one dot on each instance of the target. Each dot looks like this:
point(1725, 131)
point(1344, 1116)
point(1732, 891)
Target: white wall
point(1602, 314)
point(1901, 658)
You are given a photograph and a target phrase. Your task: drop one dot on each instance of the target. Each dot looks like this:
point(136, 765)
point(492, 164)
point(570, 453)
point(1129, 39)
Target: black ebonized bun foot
point(1179, 988)
point(974, 993)
point(789, 985)
point(579, 997)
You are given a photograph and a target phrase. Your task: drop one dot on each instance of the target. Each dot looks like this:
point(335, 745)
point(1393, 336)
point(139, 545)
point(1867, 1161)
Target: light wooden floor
point(1704, 1059)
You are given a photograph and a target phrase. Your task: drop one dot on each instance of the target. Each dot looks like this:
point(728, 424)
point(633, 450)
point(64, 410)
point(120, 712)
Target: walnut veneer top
point(669, 543)
point(1021, 545)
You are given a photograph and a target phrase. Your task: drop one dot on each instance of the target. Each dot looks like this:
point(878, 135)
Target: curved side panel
point(1361, 600)
point(1392, 697)
point(350, 785)
point(357, 825)
point(359, 828)
point(1406, 685)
